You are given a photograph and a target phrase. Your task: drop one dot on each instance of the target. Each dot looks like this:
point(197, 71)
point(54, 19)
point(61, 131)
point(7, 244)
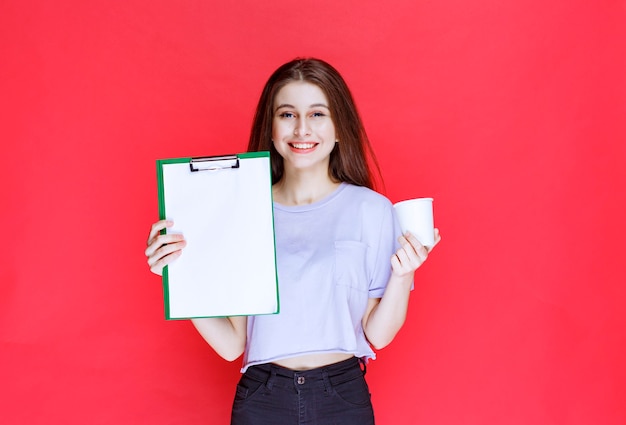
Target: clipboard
point(223, 205)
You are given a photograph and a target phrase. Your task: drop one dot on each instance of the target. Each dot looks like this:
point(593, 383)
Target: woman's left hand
point(411, 254)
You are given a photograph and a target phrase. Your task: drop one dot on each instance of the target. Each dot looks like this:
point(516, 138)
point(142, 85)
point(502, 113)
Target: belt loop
point(271, 378)
point(327, 384)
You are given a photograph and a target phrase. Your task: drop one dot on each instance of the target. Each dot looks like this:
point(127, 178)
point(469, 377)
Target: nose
point(302, 128)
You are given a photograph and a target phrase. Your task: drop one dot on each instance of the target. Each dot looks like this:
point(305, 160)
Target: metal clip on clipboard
point(214, 163)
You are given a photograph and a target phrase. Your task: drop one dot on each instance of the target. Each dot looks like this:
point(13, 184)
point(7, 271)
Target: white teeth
point(303, 145)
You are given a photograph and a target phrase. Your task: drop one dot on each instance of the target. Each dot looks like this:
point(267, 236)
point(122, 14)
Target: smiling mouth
point(302, 146)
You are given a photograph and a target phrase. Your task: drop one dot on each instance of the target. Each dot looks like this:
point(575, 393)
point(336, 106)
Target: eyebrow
point(315, 105)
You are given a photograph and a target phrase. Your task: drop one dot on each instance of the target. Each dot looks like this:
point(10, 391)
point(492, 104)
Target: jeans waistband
point(334, 374)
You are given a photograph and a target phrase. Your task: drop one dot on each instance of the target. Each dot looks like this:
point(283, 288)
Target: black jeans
point(272, 395)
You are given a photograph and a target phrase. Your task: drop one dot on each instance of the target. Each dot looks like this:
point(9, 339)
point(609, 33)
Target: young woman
point(345, 270)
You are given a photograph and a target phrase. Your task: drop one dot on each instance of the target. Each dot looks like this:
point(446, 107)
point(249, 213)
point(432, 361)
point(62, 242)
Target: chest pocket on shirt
point(350, 265)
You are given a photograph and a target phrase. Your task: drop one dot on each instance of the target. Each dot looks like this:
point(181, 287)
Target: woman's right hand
point(163, 249)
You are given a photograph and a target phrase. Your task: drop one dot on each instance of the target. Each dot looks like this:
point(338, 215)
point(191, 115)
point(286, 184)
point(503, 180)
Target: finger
point(402, 263)
point(156, 229)
point(437, 239)
point(157, 267)
point(409, 258)
point(408, 241)
point(416, 245)
point(161, 240)
point(395, 262)
point(164, 251)
point(403, 256)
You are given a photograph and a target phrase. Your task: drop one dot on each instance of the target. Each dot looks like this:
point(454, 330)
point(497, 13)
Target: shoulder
point(361, 194)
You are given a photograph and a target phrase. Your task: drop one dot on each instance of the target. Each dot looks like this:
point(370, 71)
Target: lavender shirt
point(332, 256)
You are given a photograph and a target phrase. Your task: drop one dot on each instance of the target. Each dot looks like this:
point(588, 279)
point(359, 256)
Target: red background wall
point(510, 114)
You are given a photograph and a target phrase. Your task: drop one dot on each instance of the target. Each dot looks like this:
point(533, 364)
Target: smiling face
point(303, 131)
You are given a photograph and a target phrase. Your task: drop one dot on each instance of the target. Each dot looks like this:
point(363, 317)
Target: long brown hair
point(349, 158)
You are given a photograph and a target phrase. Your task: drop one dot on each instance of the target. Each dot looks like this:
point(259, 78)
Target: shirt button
point(300, 380)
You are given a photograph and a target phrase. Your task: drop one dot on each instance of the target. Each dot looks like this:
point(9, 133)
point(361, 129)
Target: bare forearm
point(388, 316)
point(226, 335)
point(384, 318)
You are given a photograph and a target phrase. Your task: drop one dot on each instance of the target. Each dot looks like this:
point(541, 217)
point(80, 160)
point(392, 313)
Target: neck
point(299, 189)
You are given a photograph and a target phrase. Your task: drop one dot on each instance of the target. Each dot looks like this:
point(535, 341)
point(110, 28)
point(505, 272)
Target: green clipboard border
point(163, 215)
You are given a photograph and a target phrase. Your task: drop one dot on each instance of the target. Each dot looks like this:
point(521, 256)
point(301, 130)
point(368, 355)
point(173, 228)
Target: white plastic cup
point(416, 216)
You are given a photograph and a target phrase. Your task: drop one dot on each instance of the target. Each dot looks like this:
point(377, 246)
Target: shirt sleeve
point(386, 230)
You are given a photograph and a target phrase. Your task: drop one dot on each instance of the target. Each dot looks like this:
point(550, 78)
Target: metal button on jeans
point(300, 380)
